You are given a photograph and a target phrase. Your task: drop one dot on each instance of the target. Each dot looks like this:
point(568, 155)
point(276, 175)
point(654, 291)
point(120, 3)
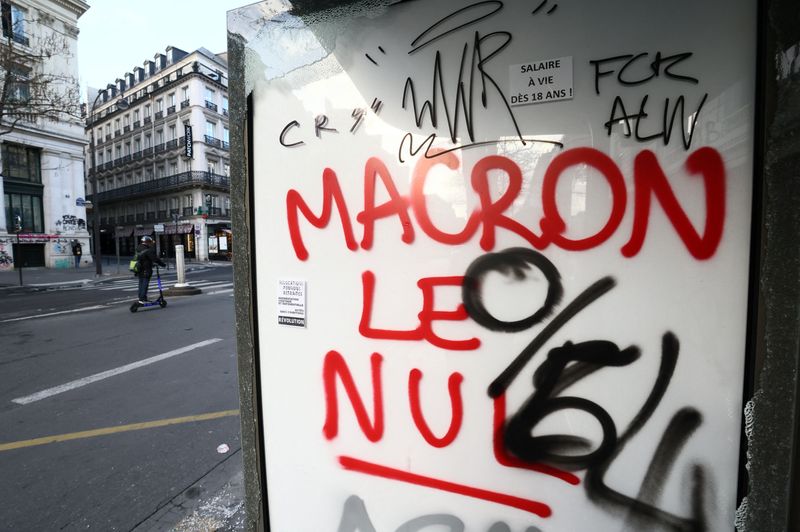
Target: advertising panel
point(511, 246)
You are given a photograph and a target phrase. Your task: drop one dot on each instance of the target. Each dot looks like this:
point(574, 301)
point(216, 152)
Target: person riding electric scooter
point(147, 257)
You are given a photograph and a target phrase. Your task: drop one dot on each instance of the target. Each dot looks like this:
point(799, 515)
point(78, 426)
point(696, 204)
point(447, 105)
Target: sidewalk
point(49, 278)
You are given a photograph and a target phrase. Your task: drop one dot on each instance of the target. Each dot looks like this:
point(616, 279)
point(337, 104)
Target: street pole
point(175, 217)
point(19, 264)
point(18, 254)
point(98, 267)
point(116, 238)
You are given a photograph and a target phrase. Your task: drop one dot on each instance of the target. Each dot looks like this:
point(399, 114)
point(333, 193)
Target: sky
point(118, 35)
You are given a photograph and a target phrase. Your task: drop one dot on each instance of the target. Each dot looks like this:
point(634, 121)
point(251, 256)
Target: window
point(108, 130)
point(227, 169)
point(148, 174)
point(14, 22)
point(99, 133)
point(127, 148)
point(116, 125)
point(137, 145)
point(19, 84)
point(119, 151)
point(188, 200)
point(185, 93)
point(148, 141)
point(173, 168)
point(159, 105)
point(173, 133)
point(212, 167)
point(160, 171)
point(210, 129)
point(211, 96)
point(171, 100)
point(173, 204)
point(160, 136)
point(100, 158)
point(147, 111)
point(108, 155)
point(126, 120)
point(226, 135)
point(21, 163)
point(225, 104)
point(136, 115)
point(26, 206)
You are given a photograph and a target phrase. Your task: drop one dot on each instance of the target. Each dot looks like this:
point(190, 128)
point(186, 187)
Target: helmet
point(146, 239)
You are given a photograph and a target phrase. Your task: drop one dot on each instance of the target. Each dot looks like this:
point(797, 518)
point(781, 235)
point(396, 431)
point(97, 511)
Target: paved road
point(108, 416)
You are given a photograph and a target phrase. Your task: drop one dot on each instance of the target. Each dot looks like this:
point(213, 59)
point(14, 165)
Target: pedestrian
point(146, 258)
point(77, 251)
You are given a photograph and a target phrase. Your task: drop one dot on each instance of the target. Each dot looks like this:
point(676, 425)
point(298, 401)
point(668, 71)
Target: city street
point(111, 420)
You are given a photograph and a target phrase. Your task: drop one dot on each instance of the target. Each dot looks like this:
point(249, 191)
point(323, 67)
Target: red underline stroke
point(528, 505)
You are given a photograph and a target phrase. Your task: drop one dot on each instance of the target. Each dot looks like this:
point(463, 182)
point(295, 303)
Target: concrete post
point(181, 288)
point(180, 265)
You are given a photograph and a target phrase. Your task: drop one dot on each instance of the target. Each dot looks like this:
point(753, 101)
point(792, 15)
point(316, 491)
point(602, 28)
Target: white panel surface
point(517, 317)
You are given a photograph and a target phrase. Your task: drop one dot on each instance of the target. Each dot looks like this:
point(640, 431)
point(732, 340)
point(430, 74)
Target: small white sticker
point(548, 80)
point(291, 302)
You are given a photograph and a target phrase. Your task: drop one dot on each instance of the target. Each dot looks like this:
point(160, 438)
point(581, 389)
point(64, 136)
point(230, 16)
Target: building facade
point(41, 136)
point(159, 156)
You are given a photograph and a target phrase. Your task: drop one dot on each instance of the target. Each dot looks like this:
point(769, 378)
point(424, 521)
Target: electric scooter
point(159, 301)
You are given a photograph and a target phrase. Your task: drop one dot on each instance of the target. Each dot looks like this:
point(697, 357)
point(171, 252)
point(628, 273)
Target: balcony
point(136, 124)
point(172, 144)
point(224, 111)
point(126, 159)
point(215, 211)
point(184, 104)
point(188, 211)
point(150, 217)
point(147, 120)
point(147, 152)
point(159, 114)
point(125, 129)
point(167, 184)
point(140, 218)
point(160, 147)
point(211, 105)
point(211, 141)
point(226, 145)
point(170, 110)
point(117, 133)
point(108, 137)
point(137, 155)
point(162, 215)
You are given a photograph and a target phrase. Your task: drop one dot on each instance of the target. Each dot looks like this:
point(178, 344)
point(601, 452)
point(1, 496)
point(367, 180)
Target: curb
point(214, 502)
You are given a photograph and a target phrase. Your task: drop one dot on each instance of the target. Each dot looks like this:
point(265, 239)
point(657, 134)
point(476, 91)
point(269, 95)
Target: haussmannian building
point(41, 135)
point(161, 156)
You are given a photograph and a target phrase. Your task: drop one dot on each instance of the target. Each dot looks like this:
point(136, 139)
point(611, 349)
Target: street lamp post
point(122, 104)
point(175, 216)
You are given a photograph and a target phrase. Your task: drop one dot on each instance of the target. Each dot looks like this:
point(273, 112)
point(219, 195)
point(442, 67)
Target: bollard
point(180, 265)
point(181, 287)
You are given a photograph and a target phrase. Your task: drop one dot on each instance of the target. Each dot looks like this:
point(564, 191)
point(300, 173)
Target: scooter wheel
point(134, 307)
point(162, 303)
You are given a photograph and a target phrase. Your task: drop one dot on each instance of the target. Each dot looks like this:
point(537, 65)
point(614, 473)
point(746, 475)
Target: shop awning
point(169, 229)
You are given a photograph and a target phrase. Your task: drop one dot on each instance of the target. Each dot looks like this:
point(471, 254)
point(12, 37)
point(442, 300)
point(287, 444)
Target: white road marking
point(219, 292)
point(54, 313)
point(110, 373)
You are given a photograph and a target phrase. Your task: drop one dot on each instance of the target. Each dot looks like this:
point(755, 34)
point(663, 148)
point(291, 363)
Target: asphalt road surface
point(106, 416)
